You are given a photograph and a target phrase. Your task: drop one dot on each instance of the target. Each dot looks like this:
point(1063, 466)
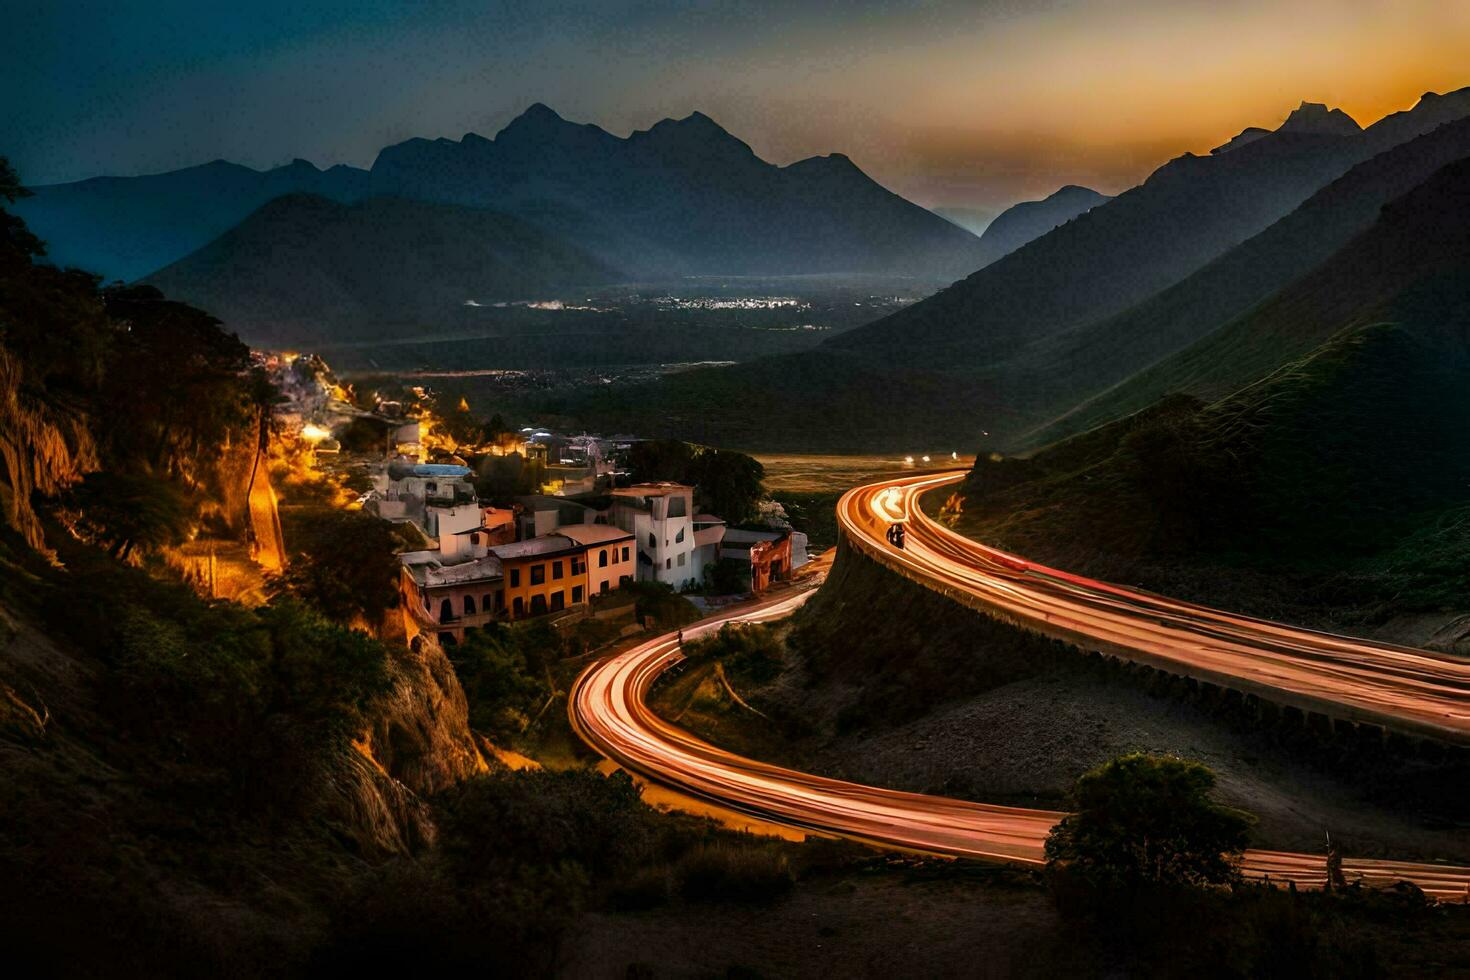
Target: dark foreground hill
point(127, 227)
point(1344, 466)
point(305, 269)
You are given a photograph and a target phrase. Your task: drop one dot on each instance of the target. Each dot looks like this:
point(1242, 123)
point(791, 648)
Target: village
point(506, 525)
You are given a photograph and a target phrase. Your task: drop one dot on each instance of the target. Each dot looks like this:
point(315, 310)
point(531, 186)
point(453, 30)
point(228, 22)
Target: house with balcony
point(670, 545)
point(543, 574)
point(445, 600)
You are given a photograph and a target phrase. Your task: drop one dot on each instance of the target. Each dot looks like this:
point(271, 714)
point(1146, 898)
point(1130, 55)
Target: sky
point(955, 104)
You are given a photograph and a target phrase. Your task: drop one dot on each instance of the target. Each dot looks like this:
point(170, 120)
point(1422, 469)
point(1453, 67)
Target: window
point(538, 574)
point(579, 566)
point(681, 559)
point(556, 570)
point(518, 607)
point(668, 563)
point(625, 552)
point(576, 593)
point(602, 558)
point(652, 541)
point(474, 537)
point(515, 578)
point(469, 605)
point(446, 611)
point(558, 599)
point(489, 601)
point(678, 506)
point(625, 580)
point(679, 538)
point(538, 604)
point(606, 585)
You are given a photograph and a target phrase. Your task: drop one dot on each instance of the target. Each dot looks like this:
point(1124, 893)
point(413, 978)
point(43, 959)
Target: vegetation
point(343, 563)
point(727, 483)
point(505, 670)
point(1144, 820)
point(750, 650)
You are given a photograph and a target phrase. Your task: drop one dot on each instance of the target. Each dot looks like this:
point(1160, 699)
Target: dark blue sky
point(947, 101)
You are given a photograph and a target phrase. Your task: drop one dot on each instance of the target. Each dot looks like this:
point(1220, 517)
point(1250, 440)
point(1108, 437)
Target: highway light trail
point(608, 704)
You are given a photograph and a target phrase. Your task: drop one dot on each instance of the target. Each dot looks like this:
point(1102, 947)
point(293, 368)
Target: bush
point(1149, 820)
point(750, 650)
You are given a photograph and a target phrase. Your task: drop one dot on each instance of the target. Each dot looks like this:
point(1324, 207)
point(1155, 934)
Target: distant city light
point(313, 433)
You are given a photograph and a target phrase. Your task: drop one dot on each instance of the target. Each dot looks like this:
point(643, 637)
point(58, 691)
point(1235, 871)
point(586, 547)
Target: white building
point(674, 544)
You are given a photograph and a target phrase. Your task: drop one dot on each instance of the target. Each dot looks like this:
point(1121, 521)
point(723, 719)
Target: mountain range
point(1133, 280)
point(681, 198)
point(127, 227)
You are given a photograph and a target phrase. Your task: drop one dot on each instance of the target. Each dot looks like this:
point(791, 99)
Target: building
point(610, 561)
point(542, 514)
point(543, 574)
point(671, 546)
point(448, 599)
point(767, 553)
point(410, 491)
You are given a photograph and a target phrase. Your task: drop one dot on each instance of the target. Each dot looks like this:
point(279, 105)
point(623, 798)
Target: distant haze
point(948, 102)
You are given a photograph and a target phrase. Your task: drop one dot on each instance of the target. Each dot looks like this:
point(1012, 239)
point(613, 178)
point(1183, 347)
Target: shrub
point(1149, 820)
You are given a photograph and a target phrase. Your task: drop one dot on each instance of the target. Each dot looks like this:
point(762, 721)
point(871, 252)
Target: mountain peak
point(1248, 135)
point(1315, 117)
point(538, 120)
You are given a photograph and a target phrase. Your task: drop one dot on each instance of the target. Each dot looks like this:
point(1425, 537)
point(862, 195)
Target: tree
point(499, 667)
point(1149, 820)
point(127, 511)
point(343, 563)
point(730, 483)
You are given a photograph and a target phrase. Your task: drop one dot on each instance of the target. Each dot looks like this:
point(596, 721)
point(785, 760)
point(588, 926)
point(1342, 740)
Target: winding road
point(1410, 689)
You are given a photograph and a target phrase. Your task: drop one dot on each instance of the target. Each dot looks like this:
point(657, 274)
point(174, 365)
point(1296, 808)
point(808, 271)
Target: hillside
point(1267, 319)
point(1178, 327)
point(304, 269)
point(681, 198)
point(127, 227)
point(1341, 470)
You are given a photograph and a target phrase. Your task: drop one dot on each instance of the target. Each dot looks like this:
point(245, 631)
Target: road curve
point(608, 709)
point(1418, 692)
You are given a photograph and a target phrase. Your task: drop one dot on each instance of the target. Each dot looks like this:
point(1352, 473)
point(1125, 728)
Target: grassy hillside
point(1310, 489)
point(1262, 304)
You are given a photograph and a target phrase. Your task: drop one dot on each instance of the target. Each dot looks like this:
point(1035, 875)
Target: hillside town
point(579, 537)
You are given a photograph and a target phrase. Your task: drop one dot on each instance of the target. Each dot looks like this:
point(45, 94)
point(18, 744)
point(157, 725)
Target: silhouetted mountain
point(1189, 211)
point(1248, 135)
point(1314, 117)
point(1029, 220)
point(126, 227)
point(684, 197)
point(1399, 255)
point(303, 268)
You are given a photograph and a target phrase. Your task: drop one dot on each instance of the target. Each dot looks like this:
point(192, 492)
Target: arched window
point(446, 611)
point(469, 605)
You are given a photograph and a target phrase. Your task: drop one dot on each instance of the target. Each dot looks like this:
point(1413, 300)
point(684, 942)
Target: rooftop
point(430, 573)
point(546, 544)
point(737, 535)
point(592, 534)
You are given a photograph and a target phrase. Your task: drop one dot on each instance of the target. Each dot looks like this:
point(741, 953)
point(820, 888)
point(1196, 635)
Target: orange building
point(609, 554)
point(543, 574)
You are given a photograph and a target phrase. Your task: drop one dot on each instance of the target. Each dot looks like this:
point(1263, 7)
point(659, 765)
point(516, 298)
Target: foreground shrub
point(1149, 820)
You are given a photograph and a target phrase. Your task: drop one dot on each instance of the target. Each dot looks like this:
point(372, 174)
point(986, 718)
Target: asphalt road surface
point(608, 704)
